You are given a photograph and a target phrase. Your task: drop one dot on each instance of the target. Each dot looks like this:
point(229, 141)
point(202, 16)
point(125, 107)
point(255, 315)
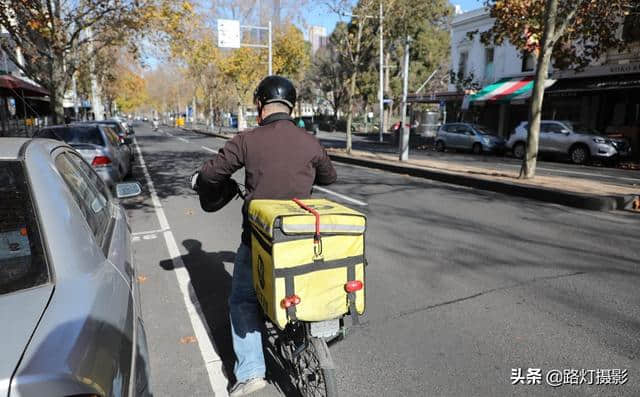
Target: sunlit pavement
point(466, 289)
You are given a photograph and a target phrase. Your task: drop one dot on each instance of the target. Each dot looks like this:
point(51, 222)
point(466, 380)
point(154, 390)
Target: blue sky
point(321, 16)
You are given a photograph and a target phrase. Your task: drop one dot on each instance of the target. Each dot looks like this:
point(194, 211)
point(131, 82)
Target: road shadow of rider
point(211, 284)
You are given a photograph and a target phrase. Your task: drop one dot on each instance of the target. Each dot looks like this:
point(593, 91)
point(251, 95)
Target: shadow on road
point(211, 288)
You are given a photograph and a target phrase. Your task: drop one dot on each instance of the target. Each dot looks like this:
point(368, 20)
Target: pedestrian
point(280, 163)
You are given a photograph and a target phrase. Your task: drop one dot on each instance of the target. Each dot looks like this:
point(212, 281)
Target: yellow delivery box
point(308, 259)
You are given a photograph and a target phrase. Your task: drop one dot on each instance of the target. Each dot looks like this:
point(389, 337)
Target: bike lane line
point(212, 361)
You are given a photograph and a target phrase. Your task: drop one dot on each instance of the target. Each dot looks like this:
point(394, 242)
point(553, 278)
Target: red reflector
point(289, 301)
point(23, 231)
point(353, 286)
point(100, 160)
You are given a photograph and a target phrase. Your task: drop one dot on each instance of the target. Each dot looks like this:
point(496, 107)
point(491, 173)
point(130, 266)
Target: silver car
point(580, 143)
point(69, 303)
point(468, 136)
point(99, 145)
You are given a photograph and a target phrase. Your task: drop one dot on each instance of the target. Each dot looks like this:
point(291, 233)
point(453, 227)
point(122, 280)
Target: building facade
point(317, 38)
point(604, 96)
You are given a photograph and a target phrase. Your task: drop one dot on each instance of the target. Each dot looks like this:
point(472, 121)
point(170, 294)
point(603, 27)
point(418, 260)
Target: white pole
point(404, 142)
point(270, 52)
point(381, 89)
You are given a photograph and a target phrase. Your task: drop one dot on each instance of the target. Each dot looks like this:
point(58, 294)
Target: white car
point(580, 143)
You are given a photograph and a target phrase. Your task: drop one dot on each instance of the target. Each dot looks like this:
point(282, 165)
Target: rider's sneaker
point(247, 387)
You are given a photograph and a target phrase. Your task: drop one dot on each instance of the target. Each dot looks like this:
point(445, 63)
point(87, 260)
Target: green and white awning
point(507, 90)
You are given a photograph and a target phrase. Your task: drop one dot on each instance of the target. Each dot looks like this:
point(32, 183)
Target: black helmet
point(275, 89)
point(215, 196)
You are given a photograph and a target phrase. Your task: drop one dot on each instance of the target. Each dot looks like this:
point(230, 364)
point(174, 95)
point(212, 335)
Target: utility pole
point(381, 88)
point(404, 141)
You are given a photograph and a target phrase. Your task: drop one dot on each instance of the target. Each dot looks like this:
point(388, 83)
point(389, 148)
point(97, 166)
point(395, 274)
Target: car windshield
point(22, 263)
point(74, 135)
point(483, 130)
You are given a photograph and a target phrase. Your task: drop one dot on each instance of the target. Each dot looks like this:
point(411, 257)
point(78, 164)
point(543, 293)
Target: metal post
point(75, 96)
point(404, 141)
point(381, 89)
point(270, 52)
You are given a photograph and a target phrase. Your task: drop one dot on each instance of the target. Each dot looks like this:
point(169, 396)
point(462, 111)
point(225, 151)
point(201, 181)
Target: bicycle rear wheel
point(316, 378)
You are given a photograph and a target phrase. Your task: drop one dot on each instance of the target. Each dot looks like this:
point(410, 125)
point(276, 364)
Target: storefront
point(607, 103)
point(24, 107)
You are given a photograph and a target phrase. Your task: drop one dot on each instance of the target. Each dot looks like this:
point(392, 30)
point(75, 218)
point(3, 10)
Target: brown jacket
point(281, 162)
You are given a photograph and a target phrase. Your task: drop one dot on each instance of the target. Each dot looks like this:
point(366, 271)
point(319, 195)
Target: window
point(90, 197)
point(488, 64)
point(554, 128)
point(462, 64)
point(111, 136)
point(22, 260)
point(528, 62)
point(631, 27)
point(73, 135)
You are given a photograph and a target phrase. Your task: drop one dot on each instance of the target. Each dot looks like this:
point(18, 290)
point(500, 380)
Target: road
point(463, 285)
point(621, 177)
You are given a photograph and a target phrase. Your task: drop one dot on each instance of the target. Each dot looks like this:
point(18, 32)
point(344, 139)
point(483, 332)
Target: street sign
point(228, 33)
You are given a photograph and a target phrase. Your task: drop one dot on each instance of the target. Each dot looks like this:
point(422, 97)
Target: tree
point(328, 77)
point(572, 32)
point(57, 37)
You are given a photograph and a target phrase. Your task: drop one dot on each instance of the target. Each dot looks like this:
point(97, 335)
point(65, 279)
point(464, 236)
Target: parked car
point(580, 143)
point(120, 128)
point(99, 146)
point(467, 136)
point(69, 301)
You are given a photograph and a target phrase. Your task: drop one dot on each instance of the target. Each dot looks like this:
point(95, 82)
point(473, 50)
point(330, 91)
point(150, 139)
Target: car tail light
point(289, 301)
point(23, 231)
point(353, 286)
point(100, 161)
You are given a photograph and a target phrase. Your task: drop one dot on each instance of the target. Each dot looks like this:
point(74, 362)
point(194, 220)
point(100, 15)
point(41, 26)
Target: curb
point(576, 200)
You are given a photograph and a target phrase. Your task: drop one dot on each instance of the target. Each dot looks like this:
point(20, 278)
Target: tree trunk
point(352, 88)
point(241, 122)
point(528, 170)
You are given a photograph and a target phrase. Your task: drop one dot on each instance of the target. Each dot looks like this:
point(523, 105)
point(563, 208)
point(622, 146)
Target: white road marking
point(149, 232)
point(208, 149)
point(342, 196)
point(183, 140)
point(212, 361)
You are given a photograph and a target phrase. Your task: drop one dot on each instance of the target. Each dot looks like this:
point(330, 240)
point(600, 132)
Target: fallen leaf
point(189, 212)
point(188, 339)
point(142, 279)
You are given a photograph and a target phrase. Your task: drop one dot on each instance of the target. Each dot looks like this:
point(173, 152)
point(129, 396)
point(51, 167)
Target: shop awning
point(22, 87)
point(507, 90)
point(600, 83)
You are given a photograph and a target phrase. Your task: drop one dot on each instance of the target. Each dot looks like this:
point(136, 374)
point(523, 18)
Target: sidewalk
point(574, 192)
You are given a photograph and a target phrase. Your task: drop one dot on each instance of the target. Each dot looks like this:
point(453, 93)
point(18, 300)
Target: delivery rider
point(281, 162)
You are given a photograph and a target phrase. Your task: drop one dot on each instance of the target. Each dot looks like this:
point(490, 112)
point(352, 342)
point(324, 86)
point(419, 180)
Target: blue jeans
point(246, 319)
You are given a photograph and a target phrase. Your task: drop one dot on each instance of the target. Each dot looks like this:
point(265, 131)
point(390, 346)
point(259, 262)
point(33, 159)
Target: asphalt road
point(546, 166)
point(463, 286)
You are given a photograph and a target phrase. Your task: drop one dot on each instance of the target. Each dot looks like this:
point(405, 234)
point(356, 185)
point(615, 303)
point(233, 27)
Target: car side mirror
point(128, 190)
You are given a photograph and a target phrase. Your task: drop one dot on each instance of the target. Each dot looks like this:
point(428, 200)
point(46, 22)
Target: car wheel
point(477, 148)
point(440, 146)
point(579, 154)
point(519, 150)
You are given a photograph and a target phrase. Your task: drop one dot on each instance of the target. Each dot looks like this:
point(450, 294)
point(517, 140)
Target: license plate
point(325, 329)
